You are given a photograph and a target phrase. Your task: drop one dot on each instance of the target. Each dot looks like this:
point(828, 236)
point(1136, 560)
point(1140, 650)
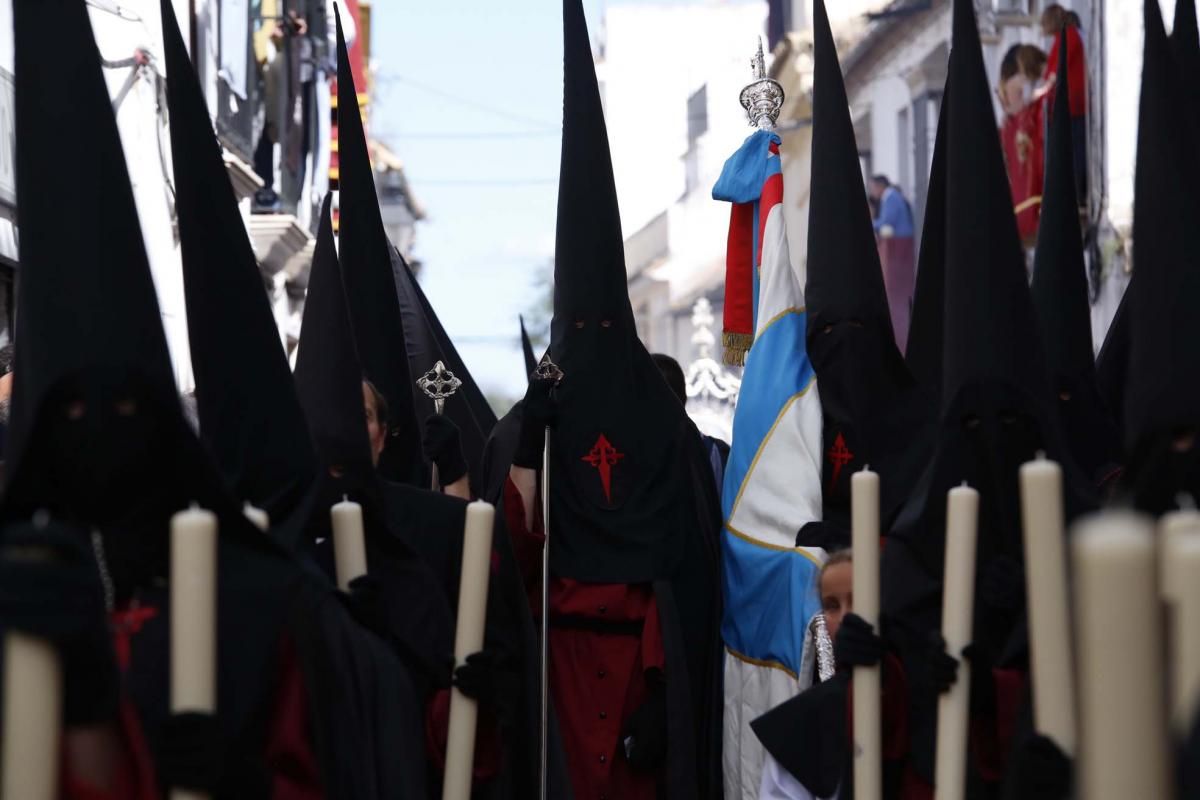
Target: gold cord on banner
point(736, 346)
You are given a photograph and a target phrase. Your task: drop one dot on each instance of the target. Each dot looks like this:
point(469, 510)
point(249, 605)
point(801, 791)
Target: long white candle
point(1051, 660)
point(1179, 544)
point(193, 616)
point(258, 518)
point(349, 542)
point(32, 718)
point(1123, 730)
point(868, 749)
point(468, 639)
point(958, 603)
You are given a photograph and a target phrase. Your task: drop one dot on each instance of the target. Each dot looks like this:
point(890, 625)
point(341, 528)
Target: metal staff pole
point(547, 370)
point(438, 384)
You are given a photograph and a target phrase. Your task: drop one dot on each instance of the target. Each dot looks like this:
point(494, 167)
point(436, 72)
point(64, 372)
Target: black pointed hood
point(429, 343)
point(1185, 41)
point(328, 372)
point(365, 257)
point(997, 410)
point(925, 343)
point(98, 435)
point(990, 327)
point(531, 360)
point(873, 413)
point(1162, 401)
point(1060, 298)
point(845, 281)
point(589, 265)
point(616, 473)
point(250, 417)
point(86, 299)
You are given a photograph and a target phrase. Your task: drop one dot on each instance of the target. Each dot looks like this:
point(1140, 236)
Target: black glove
point(644, 736)
point(440, 441)
point(537, 413)
point(943, 672)
point(943, 667)
point(193, 754)
point(1040, 771)
point(485, 677)
point(50, 588)
point(857, 644)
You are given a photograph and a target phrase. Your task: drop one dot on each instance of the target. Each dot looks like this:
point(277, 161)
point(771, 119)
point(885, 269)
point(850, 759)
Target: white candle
point(349, 542)
point(468, 639)
point(1179, 544)
point(958, 603)
point(258, 518)
point(32, 718)
point(1177, 523)
point(1051, 659)
point(1123, 731)
point(193, 616)
point(868, 749)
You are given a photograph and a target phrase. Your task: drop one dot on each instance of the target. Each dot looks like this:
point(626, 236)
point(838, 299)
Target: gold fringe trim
point(736, 346)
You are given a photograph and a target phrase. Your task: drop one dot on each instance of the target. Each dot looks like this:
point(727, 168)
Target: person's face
point(6, 383)
point(376, 432)
point(837, 595)
point(876, 190)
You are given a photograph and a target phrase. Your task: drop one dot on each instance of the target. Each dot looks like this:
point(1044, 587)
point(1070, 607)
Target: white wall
point(655, 56)
point(143, 134)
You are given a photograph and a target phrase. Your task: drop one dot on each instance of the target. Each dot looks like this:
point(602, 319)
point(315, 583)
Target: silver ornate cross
point(438, 384)
point(547, 370)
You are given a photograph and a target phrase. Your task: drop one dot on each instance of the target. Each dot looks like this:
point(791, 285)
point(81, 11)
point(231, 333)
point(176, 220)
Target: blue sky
point(469, 95)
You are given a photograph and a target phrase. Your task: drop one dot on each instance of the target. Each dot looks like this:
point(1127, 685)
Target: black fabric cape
point(427, 344)
point(89, 327)
point(432, 525)
point(997, 405)
point(329, 385)
point(414, 536)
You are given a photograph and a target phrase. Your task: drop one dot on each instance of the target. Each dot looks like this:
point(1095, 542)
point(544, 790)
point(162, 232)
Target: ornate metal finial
point(763, 98)
point(547, 370)
point(438, 384)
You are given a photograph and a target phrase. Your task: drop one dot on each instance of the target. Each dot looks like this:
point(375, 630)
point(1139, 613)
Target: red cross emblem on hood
point(603, 456)
point(839, 455)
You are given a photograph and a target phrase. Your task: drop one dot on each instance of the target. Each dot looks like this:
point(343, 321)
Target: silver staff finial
point(547, 370)
point(438, 384)
point(762, 98)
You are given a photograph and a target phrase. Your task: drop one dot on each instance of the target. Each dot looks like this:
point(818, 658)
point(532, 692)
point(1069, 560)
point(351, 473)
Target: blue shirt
point(895, 213)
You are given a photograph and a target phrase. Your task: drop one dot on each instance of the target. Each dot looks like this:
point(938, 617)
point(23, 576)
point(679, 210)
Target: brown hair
point(1031, 60)
point(1054, 17)
point(843, 556)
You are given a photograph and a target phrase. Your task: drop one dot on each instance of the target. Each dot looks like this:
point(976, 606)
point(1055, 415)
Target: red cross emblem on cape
point(839, 455)
point(603, 456)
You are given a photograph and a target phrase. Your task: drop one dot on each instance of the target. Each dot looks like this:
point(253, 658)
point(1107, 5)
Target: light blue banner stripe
point(770, 595)
point(775, 372)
